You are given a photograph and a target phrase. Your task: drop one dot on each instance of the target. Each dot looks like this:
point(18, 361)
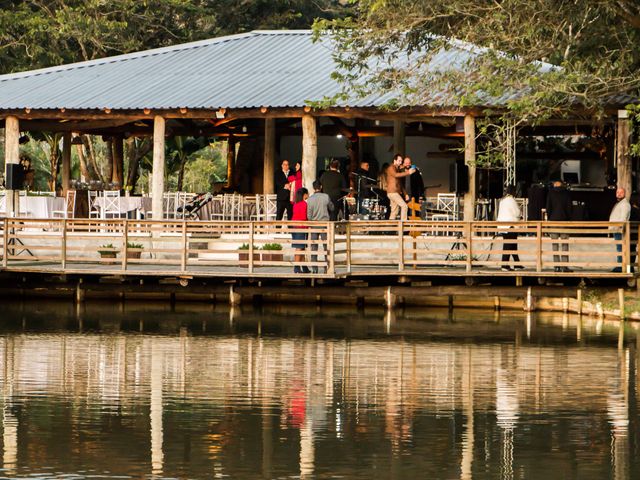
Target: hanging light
point(244, 129)
point(420, 127)
point(339, 135)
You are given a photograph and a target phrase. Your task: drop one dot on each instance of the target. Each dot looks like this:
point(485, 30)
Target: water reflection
point(204, 391)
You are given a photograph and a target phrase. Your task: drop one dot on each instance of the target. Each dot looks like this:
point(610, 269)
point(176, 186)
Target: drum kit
point(366, 207)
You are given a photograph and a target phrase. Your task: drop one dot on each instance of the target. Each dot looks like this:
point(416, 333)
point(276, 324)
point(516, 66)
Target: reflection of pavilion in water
point(325, 390)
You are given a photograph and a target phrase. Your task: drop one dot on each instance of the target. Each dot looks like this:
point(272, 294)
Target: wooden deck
point(351, 249)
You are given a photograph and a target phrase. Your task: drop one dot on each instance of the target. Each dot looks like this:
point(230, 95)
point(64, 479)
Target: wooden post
point(539, 247)
point(390, 299)
point(125, 242)
point(11, 155)
point(401, 245)
point(621, 302)
point(117, 142)
point(63, 253)
point(626, 248)
point(5, 242)
point(251, 249)
point(66, 162)
point(348, 251)
point(157, 184)
point(399, 143)
point(185, 243)
point(468, 234)
point(579, 301)
point(529, 303)
point(309, 151)
point(623, 159)
point(469, 203)
point(269, 155)
point(231, 161)
point(331, 245)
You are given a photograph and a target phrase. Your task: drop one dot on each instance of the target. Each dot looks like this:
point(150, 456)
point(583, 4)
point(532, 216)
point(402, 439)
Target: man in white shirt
point(620, 213)
point(509, 211)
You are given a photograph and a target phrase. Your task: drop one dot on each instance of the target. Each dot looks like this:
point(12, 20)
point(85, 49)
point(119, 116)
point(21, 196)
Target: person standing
point(413, 184)
point(621, 212)
point(394, 187)
point(300, 238)
point(295, 179)
point(509, 211)
point(319, 207)
point(283, 191)
point(559, 210)
point(334, 185)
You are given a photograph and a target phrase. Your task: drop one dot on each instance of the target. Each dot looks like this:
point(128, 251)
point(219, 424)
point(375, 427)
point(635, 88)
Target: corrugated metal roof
point(260, 68)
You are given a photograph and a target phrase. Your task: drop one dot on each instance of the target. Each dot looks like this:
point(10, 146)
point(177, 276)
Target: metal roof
point(261, 68)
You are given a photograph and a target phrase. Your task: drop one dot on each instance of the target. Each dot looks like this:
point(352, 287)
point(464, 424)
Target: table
point(127, 204)
point(41, 207)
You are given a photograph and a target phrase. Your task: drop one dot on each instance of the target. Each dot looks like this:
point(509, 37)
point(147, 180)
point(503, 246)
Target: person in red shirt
point(295, 179)
point(300, 214)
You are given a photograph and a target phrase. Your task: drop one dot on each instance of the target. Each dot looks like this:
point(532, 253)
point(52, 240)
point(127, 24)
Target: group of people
point(557, 209)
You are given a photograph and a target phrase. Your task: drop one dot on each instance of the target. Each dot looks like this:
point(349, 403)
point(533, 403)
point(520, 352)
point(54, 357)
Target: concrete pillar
point(470, 160)
point(623, 158)
point(269, 155)
point(157, 182)
point(309, 151)
point(399, 143)
point(66, 162)
point(12, 155)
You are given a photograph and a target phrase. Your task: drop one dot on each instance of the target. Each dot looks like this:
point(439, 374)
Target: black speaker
point(459, 177)
point(14, 176)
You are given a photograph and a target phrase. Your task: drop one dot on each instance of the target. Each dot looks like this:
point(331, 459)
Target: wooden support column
point(66, 162)
point(12, 155)
point(399, 144)
point(269, 155)
point(470, 161)
point(623, 159)
point(157, 182)
point(117, 142)
point(309, 151)
point(231, 161)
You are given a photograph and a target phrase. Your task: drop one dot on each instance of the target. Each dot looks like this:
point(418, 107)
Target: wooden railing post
point(401, 245)
point(5, 242)
point(626, 248)
point(467, 234)
point(183, 253)
point(538, 247)
point(125, 241)
point(348, 247)
point(331, 246)
point(251, 229)
point(63, 253)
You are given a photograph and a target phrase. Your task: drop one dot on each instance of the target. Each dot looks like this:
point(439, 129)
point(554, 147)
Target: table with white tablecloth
point(41, 207)
point(126, 204)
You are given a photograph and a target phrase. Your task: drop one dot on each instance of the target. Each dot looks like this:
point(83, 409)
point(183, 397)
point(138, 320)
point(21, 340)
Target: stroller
point(191, 208)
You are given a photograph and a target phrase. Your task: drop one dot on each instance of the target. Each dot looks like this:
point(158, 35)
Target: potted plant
point(272, 256)
point(243, 256)
point(107, 251)
point(134, 250)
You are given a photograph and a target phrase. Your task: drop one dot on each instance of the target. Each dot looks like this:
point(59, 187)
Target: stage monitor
point(570, 177)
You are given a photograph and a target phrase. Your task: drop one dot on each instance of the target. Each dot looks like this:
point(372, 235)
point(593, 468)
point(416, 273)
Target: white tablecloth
point(128, 204)
point(41, 207)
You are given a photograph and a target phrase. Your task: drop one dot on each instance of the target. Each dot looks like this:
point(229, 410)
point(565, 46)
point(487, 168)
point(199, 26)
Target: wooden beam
point(623, 158)
point(470, 159)
point(157, 175)
point(231, 161)
point(66, 162)
point(309, 151)
point(399, 145)
point(118, 160)
point(269, 155)
point(11, 155)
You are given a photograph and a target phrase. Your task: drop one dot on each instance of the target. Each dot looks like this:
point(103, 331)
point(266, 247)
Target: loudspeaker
point(459, 177)
point(14, 176)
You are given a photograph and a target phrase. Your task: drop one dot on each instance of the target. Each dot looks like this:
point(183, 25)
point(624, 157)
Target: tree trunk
point(183, 163)
point(84, 170)
point(135, 154)
point(108, 175)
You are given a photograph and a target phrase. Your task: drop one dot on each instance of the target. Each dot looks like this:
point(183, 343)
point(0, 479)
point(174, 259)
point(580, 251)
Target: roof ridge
point(129, 56)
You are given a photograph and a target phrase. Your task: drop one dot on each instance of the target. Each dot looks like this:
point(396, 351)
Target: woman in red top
point(300, 213)
point(296, 181)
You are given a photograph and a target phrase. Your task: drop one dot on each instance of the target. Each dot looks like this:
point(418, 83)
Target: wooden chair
point(94, 209)
point(111, 206)
point(70, 206)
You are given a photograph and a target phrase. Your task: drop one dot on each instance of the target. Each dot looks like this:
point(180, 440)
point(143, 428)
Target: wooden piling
point(621, 302)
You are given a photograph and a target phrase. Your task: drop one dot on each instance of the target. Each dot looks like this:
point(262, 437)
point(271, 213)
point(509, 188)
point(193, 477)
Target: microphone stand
point(360, 178)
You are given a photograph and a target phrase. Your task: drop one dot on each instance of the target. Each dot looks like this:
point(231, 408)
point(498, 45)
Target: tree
point(532, 58)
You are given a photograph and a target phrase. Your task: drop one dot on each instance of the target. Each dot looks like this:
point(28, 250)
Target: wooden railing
point(334, 249)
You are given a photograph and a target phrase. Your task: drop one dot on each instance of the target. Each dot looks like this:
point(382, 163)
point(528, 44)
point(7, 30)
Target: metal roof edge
point(129, 56)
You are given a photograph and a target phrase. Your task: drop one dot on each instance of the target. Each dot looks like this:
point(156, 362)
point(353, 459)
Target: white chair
point(447, 207)
point(94, 209)
point(70, 206)
point(169, 204)
point(270, 207)
point(111, 207)
point(258, 214)
point(234, 207)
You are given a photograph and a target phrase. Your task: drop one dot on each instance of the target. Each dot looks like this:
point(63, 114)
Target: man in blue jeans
point(620, 213)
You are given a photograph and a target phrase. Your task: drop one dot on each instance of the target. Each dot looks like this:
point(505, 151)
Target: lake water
point(196, 391)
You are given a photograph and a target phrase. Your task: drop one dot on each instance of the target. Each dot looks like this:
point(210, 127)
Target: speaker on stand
point(459, 177)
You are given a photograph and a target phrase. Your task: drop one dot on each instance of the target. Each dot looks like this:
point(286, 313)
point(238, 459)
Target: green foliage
point(135, 245)
point(272, 246)
point(107, 249)
point(634, 117)
point(244, 246)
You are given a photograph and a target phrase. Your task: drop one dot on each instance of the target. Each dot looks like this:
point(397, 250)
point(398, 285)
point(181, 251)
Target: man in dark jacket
point(283, 192)
point(559, 210)
point(413, 184)
point(334, 185)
